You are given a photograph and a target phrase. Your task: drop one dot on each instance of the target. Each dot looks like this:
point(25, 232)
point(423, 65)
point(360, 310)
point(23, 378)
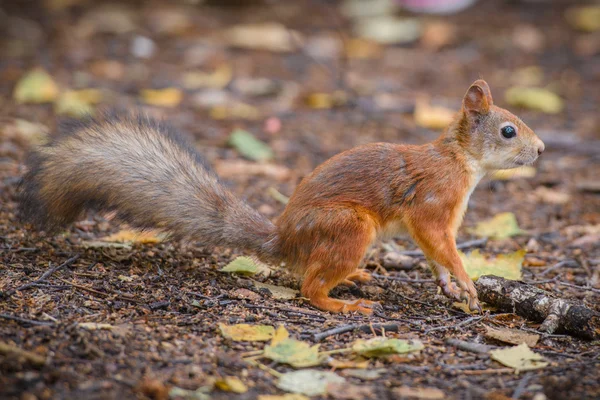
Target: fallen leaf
point(249, 146)
point(98, 244)
point(231, 384)
point(30, 132)
point(505, 265)
point(501, 226)
point(382, 346)
point(432, 117)
point(310, 382)
point(235, 168)
point(256, 87)
point(464, 307)
point(217, 79)
point(512, 336)
point(246, 266)
point(326, 100)
point(269, 36)
point(132, 236)
point(584, 18)
point(364, 374)
point(247, 333)
point(362, 49)
point(278, 292)
point(346, 391)
point(293, 352)
point(438, 34)
point(169, 97)
point(550, 196)
point(362, 9)
point(241, 265)
point(520, 357)
point(514, 173)
point(198, 394)
point(77, 103)
point(425, 393)
point(94, 326)
point(277, 195)
point(242, 293)
point(535, 99)
point(387, 29)
point(36, 86)
point(236, 110)
point(287, 396)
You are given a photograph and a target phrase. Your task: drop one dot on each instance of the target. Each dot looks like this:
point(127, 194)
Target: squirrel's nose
point(540, 148)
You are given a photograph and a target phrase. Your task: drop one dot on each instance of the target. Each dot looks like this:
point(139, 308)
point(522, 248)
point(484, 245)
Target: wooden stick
point(556, 314)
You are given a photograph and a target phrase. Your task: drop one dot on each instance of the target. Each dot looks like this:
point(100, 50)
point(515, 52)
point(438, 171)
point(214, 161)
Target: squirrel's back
point(142, 169)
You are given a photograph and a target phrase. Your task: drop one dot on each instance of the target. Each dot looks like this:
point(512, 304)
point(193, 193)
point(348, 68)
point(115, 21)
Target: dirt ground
point(165, 301)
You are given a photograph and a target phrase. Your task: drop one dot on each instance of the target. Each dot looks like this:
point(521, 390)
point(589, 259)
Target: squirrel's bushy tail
point(143, 170)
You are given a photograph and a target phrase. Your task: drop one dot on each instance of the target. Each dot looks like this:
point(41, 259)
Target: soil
point(164, 301)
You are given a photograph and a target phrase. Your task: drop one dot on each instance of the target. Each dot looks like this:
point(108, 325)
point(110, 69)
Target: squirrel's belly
point(392, 229)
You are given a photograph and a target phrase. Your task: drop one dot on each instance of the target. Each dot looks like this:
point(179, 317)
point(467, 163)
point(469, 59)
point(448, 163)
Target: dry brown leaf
point(421, 393)
point(512, 336)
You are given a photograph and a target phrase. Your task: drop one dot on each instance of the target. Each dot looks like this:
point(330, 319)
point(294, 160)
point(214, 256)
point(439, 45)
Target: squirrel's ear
point(478, 98)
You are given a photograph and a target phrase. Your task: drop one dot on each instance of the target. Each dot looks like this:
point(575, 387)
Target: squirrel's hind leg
point(334, 263)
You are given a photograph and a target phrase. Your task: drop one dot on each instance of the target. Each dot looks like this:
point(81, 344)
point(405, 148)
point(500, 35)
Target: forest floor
point(162, 303)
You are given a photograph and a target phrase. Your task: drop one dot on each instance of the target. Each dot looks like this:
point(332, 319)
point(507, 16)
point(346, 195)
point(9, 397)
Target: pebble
point(397, 261)
point(142, 47)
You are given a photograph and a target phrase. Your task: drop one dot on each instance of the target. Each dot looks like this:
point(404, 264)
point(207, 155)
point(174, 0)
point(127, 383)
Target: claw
point(474, 305)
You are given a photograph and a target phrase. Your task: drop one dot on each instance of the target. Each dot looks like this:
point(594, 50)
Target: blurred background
point(269, 89)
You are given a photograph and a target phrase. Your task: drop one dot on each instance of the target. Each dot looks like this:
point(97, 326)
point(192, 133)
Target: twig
point(469, 346)
point(349, 328)
point(463, 323)
point(401, 279)
point(522, 386)
point(463, 245)
point(578, 287)
point(488, 371)
point(26, 321)
point(558, 265)
point(33, 358)
point(44, 276)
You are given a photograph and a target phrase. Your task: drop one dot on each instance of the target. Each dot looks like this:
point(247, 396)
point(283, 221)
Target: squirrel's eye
point(508, 131)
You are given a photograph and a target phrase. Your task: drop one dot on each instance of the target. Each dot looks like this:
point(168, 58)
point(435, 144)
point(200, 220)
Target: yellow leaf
point(216, 80)
point(501, 226)
point(535, 99)
point(278, 292)
point(37, 86)
point(287, 396)
point(236, 110)
point(266, 36)
point(520, 357)
point(169, 97)
point(243, 266)
point(514, 173)
point(505, 265)
point(280, 335)
point(296, 353)
point(326, 100)
point(131, 236)
point(77, 103)
point(231, 384)
point(247, 333)
point(432, 117)
point(382, 346)
point(585, 18)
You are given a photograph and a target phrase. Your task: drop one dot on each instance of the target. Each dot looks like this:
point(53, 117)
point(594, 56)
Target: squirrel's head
point(497, 138)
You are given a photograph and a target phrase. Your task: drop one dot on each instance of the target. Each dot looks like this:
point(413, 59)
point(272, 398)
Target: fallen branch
point(368, 328)
point(556, 314)
point(464, 245)
point(470, 346)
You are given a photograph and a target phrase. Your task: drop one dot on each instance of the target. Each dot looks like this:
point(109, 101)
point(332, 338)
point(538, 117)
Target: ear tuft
point(478, 98)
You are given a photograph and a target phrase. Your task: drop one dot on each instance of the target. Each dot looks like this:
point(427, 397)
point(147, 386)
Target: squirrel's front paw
point(469, 294)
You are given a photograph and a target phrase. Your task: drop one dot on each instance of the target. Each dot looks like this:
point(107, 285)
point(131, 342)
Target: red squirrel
point(153, 179)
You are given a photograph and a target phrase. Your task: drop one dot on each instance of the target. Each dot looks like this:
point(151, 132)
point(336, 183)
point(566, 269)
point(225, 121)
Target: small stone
point(532, 246)
point(396, 260)
point(142, 47)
